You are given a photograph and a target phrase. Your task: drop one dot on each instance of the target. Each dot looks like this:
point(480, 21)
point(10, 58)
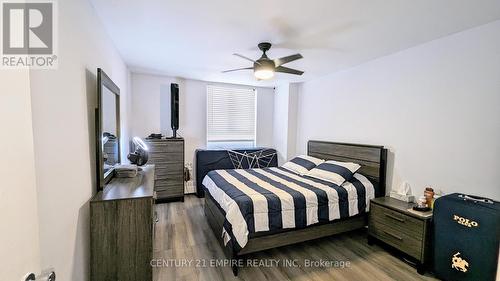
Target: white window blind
point(230, 114)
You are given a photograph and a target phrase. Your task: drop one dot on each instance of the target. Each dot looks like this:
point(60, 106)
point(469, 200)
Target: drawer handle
point(395, 218)
point(393, 235)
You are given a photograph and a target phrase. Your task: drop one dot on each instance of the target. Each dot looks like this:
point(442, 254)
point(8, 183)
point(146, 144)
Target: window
point(230, 117)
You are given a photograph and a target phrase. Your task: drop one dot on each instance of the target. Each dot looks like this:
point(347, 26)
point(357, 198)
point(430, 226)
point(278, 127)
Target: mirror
point(108, 128)
point(110, 150)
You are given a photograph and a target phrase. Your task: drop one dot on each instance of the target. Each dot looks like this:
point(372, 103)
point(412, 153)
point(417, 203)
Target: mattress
point(269, 199)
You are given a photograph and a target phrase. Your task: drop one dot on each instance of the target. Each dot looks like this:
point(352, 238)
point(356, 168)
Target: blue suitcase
point(466, 232)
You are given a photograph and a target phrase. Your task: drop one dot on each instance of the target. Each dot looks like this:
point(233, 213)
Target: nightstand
point(409, 232)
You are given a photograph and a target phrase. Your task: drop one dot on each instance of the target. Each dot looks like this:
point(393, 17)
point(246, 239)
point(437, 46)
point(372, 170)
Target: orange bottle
point(429, 196)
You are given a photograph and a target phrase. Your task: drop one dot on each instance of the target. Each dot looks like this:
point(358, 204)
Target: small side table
point(391, 222)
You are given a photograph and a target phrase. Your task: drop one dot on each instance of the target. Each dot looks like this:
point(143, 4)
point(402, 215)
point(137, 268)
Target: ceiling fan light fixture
point(264, 74)
point(264, 68)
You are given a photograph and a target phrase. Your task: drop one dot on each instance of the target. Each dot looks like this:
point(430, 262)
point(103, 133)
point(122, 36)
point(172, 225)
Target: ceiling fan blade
point(243, 68)
point(243, 57)
point(289, 70)
point(287, 59)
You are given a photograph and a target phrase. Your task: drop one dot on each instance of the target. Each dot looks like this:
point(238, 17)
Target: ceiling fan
point(264, 68)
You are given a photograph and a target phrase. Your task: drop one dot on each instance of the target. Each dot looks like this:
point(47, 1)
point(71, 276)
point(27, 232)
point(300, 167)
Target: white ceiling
point(196, 38)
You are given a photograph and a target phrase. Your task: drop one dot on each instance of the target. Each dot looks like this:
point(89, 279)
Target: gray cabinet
point(392, 223)
point(121, 229)
point(168, 157)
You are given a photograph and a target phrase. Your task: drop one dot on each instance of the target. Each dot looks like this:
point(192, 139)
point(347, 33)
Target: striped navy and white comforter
point(257, 200)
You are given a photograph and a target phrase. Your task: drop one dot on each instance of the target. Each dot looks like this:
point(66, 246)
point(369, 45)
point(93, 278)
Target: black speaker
point(174, 108)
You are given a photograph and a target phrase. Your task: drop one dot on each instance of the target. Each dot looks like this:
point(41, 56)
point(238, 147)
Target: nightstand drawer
point(396, 238)
point(408, 225)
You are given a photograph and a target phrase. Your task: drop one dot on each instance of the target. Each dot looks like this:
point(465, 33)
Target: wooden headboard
point(372, 158)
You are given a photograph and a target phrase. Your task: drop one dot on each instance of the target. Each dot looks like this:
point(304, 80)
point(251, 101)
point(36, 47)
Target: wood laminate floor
point(185, 247)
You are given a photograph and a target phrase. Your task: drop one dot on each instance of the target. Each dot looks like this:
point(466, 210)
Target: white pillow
point(302, 164)
point(334, 171)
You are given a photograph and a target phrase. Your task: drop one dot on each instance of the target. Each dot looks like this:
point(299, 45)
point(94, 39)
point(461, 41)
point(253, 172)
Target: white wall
point(285, 121)
point(280, 121)
point(436, 106)
point(19, 244)
point(293, 100)
point(146, 103)
point(63, 102)
point(265, 115)
point(151, 110)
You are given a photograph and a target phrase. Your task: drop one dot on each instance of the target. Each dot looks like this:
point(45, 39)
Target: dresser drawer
point(163, 157)
point(170, 193)
point(167, 185)
point(408, 225)
point(167, 169)
point(396, 238)
point(179, 177)
point(166, 147)
point(162, 184)
point(165, 165)
point(110, 148)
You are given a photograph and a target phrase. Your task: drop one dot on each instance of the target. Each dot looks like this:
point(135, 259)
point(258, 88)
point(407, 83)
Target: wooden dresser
point(168, 157)
point(122, 219)
point(392, 223)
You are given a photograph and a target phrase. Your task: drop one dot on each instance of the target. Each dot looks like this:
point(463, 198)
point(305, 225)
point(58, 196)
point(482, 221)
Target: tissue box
point(402, 197)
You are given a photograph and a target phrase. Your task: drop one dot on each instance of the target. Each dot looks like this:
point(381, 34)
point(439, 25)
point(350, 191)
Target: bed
point(257, 209)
